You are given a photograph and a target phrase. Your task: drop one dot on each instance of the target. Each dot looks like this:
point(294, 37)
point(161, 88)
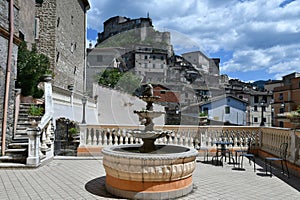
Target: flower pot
point(47, 77)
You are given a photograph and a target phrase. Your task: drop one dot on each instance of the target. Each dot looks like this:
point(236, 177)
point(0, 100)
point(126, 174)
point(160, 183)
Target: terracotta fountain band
point(147, 187)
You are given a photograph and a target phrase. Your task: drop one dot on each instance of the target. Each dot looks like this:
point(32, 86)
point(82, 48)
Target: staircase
point(17, 151)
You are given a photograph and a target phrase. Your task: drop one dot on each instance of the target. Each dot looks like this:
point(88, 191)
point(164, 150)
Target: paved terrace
point(84, 178)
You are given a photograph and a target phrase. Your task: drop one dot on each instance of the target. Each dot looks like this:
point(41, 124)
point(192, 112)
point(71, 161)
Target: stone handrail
point(266, 139)
point(273, 137)
point(40, 138)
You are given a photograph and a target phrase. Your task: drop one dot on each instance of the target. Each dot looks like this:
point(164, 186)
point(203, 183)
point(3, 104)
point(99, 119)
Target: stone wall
point(27, 15)
point(4, 35)
point(62, 39)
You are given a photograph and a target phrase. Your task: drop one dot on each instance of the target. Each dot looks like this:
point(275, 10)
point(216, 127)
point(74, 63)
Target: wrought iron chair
point(205, 153)
point(247, 154)
point(282, 158)
point(221, 153)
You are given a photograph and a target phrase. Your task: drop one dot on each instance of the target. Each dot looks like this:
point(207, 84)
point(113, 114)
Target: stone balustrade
point(266, 139)
point(41, 135)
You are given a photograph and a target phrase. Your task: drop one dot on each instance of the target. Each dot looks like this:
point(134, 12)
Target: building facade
point(60, 34)
point(286, 98)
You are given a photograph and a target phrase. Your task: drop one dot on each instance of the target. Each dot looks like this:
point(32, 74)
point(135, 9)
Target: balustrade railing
point(191, 136)
point(266, 139)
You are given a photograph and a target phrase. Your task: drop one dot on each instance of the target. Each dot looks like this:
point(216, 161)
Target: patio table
point(223, 149)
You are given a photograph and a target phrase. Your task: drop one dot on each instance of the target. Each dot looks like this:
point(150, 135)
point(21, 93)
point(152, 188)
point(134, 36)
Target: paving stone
point(85, 179)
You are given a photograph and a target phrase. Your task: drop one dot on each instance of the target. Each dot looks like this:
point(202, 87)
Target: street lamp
point(84, 100)
point(262, 123)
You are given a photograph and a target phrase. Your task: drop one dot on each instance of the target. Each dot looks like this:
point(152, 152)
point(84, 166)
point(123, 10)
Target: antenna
point(147, 14)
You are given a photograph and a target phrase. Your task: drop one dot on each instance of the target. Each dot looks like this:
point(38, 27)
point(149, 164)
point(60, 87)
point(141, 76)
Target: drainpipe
point(7, 80)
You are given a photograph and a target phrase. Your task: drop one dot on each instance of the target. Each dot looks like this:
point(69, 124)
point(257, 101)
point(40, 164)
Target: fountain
point(149, 171)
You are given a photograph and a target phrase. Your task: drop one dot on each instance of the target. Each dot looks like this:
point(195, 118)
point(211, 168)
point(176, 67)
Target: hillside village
point(191, 87)
point(193, 80)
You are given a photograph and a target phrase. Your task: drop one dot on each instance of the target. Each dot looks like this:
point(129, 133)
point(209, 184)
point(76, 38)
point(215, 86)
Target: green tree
point(109, 77)
point(124, 81)
point(30, 67)
point(128, 82)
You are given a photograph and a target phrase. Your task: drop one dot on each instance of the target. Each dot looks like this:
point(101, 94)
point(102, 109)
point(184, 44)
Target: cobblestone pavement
point(85, 178)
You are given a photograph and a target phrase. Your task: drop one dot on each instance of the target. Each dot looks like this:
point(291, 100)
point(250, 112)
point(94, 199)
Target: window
point(58, 20)
point(161, 66)
point(205, 110)
point(154, 57)
point(255, 99)
point(146, 65)
point(240, 97)
point(255, 108)
point(153, 66)
point(263, 108)
point(265, 99)
point(281, 110)
point(163, 92)
point(21, 35)
point(255, 119)
point(227, 110)
point(281, 124)
point(36, 28)
point(146, 57)
point(280, 96)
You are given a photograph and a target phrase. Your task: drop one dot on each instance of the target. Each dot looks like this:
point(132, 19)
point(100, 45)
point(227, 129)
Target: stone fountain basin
point(149, 114)
point(167, 163)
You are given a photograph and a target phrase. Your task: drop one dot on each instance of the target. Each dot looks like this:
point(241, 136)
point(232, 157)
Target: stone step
point(21, 137)
point(21, 145)
point(21, 132)
point(19, 140)
point(16, 151)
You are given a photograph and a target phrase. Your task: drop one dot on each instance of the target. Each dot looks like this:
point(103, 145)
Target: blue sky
point(255, 39)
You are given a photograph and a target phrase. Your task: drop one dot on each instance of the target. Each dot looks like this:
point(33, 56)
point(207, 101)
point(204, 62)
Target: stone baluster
point(181, 140)
point(131, 139)
point(165, 140)
point(83, 135)
point(89, 137)
point(94, 135)
point(126, 136)
point(170, 139)
point(191, 142)
point(48, 133)
point(120, 133)
point(104, 137)
point(197, 142)
point(44, 147)
point(109, 137)
point(175, 138)
point(100, 138)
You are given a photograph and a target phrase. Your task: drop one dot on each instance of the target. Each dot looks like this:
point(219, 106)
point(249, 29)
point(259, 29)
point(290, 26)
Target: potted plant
point(35, 113)
point(202, 118)
point(47, 76)
point(293, 116)
point(72, 133)
point(71, 87)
